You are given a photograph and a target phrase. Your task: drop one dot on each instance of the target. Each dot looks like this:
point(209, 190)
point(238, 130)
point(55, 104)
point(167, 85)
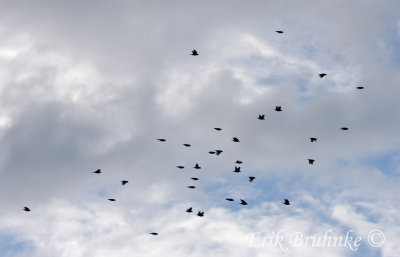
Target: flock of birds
point(218, 152)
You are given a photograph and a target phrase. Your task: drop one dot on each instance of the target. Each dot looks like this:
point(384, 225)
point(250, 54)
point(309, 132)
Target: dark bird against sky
point(261, 117)
point(311, 161)
point(243, 202)
point(251, 179)
point(123, 182)
point(194, 52)
point(237, 169)
point(161, 139)
point(321, 75)
point(235, 139)
point(286, 202)
point(197, 166)
point(27, 209)
point(97, 171)
point(313, 139)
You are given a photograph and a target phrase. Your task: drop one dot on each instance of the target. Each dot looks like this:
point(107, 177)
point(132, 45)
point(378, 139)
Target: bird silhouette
point(161, 139)
point(97, 171)
point(237, 169)
point(197, 166)
point(200, 214)
point(251, 179)
point(311, 161)
point(278, 108)
point(286, 202)
point(180, 167)
point(321, 75)
point(111, 199)
point(191, 187)
point(123, 182)
point(279, 31)
point(261, 117)
point(218, 129)
point(360, 87)
point(218, 152)
point(189, 210)
point(235, 139)
point(187, 145)
point(154, 233)
point(211, 152)
point(194, 52)
point(344, 128)
point(26, 209)
point(239, 162)
point(313, 139)
point(243, 202)
point(229, 199)
point(195, 178)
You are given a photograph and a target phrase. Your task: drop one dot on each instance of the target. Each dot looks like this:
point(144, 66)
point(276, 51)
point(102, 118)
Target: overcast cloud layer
point(92, 84)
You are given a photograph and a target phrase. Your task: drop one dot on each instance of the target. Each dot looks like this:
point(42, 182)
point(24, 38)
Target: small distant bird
point(189, 210)
point(279, 31)
point(360, 87)
point(344, 128)
point(154, 233)
point(251, 179)
point(26, 209)
point(261, 117)
point(286, 202)
point(197, 166)
point(211, 152)
point(239, 162)
point(237, 169)
point(219, 129)
point(111, 199)
point(180, 167)
point(243, 202)
point(311, 161)
point(218, 152)
point(123, 182)
point(235, 139)
point(278, 108)
point(200, 214)
point(313, 139)
point(229, 199)
point(162, 139)
point(321, 75)
point(191, 187)
point(194, 52)
point(195, 178)
point(97, 171)
point(187, 145)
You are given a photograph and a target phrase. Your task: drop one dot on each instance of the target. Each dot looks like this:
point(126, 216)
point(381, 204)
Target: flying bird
point(154, 233)
point(344, 128)
point(200, 214)
point(180, 167)
point(279, 31)
point(235, 139)
point(211, 152)
point(239, 162)
point(251, 179)
point(286, 202)
point(189, 210)
point(229, 199)
point(191, 187)
point(194, 52)
point(321, 75)
point(261, 117)
point(26, 209)
point(218, 129)
point(197, 166)
point(195, 178)
point(360, 87)
point(111, 199)
point(187, 145)
point(237, 169)
point(311, 161)
point(243, 202)
point(278, 108)
point(313, 139)
point(218, 152)
point(97, 171)
point(162, 139)
point(123, 182)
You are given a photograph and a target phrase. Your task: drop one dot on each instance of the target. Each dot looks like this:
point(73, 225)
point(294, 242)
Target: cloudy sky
point(88, 85)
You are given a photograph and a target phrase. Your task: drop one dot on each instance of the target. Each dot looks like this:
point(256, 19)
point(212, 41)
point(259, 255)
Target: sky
point(87, 85)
